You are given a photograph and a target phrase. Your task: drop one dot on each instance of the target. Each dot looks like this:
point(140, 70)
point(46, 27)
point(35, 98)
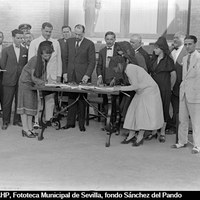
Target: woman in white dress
point(145, 111)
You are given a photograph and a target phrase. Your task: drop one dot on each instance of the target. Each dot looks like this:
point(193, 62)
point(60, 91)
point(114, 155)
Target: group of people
point(46, 60)
point(151, 81)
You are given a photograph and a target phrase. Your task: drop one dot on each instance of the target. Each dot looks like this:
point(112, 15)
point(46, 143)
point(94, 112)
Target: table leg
point(118, 117)
point(41, 117)
point(109, 125)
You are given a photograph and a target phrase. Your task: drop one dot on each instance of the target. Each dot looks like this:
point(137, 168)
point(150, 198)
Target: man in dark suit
point(67, 33)
point(26, 29)
point(141, 55)
point(80, 65)
point(14, 58)
point(2, 46)
point(178, 52)
point(104, 73)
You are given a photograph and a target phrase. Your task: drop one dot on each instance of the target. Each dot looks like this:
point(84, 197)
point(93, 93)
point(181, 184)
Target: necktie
point(188, 61)
point(108, 61)
point(77, 46)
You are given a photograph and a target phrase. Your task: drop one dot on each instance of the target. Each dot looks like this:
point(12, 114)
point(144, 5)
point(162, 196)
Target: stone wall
point(34, 12)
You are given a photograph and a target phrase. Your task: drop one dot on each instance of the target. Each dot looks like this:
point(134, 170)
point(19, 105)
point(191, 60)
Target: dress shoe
point(137, 144)
point(34, 133)
point(178, 146)
point(27, 134)
point(82, 128)
point(17, 124)
point(5, 126)
point(162, 138)
point(195, 150)
point(68, 126)
point(125, 141)
point(151, 136)
point(36, 125)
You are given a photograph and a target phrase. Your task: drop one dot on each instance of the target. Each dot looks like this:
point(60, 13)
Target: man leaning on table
point(80, 65)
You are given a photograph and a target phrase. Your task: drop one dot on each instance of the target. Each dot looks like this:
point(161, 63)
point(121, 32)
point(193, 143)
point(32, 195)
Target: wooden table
point(109, 128)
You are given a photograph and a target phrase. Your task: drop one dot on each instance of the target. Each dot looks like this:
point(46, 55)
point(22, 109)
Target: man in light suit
point(54, 66)
point(80, 65)
point(14, 58)
point(190, 96)
point(177, 53)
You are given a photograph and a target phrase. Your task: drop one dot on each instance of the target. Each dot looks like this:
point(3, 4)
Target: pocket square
point(24, 56)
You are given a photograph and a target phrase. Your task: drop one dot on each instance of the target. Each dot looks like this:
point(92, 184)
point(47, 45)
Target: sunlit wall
point(34, 12)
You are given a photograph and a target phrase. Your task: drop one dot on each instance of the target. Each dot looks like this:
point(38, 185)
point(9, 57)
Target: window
point(150, 18)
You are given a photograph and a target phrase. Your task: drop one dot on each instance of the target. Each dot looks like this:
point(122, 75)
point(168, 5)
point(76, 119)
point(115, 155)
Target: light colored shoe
point(178, 146)
point(195, 150)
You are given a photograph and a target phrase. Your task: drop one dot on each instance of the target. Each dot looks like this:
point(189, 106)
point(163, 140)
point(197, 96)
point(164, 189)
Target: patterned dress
point(27, 98)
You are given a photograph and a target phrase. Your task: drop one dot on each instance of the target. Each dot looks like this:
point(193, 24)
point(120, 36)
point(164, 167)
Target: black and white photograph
point(101, 97)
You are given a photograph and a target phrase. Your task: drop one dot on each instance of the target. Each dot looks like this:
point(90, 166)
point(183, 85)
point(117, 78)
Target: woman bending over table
point(34, 73)
point(145, 111)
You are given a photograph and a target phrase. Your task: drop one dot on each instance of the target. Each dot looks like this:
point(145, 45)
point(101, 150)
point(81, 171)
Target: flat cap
point(24, 26)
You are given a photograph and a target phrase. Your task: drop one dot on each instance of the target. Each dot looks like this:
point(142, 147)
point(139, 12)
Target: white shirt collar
point(175, 53)
point(79, 42)
point(44, 39)
point(136, 50)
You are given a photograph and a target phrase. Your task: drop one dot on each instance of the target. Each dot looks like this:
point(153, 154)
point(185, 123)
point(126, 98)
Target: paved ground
point(72, 160)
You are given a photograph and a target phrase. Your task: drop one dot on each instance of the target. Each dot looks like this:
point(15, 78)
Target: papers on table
point(105, 88)
point(80, 87)
point(62, 85)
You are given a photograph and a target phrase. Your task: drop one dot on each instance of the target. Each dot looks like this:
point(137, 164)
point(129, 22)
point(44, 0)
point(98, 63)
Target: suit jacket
point(146, 57)
point(63, 48)
point(3, 46)
point(101, 65)
point(10, 64)
point(141, 60)
point(190, 85)
point(178, 68)
point(79, 63)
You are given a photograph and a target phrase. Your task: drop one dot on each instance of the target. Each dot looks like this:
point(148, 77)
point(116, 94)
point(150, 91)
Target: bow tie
point(109, 48)
point(17, 47)
point(176, 48)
